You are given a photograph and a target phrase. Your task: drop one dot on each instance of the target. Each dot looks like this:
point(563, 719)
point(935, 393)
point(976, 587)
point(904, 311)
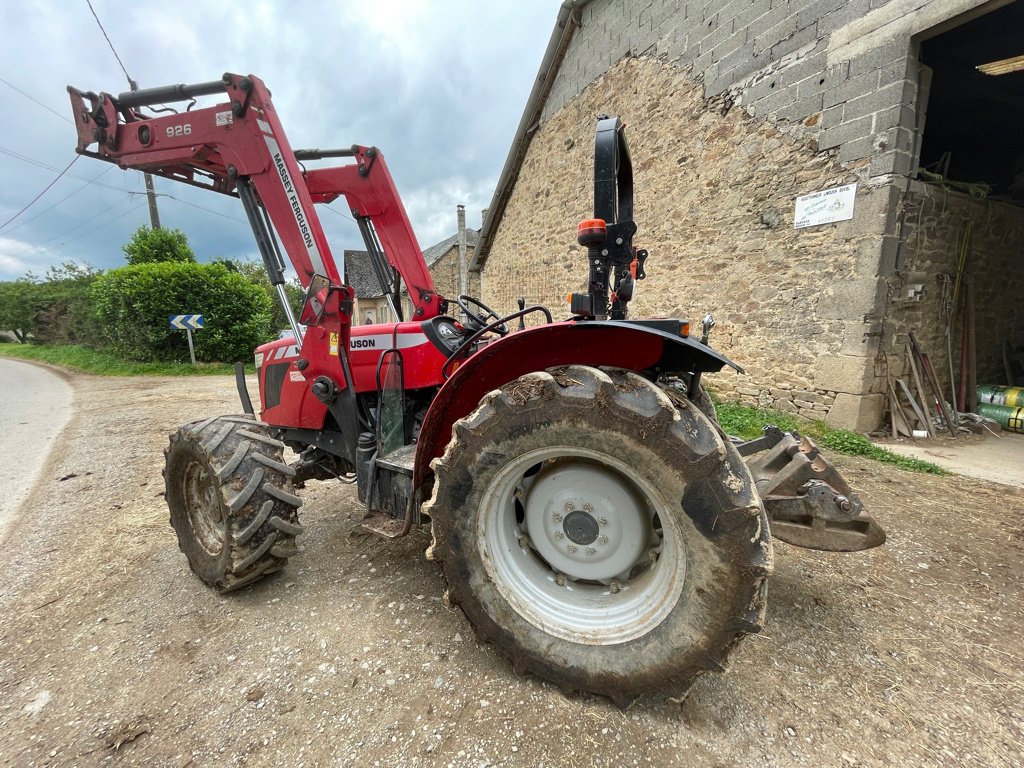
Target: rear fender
point(617, 344)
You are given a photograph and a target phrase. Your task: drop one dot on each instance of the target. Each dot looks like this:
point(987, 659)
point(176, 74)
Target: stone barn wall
point(733, 110)
point(713, 197)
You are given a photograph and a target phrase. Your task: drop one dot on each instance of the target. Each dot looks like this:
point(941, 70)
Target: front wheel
point(231, 502)
point(599, 535)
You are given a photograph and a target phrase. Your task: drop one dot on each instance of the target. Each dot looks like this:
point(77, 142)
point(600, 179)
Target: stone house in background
point(443, 262)
point(737, 108)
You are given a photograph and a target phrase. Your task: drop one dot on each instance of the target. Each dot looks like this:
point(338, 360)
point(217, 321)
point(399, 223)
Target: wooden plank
point(900, 423)
point(929, 372)
point(913, 404)
point(939, 399)
point(920, 392)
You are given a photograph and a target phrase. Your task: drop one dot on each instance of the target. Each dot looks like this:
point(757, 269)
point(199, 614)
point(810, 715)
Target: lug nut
point(591, 550)
point(568, 506)
point(602, 521)
point(602, 540)
point(560, 579)
point(559, 535)
point(572, 549)
point(524, 542)
point(614, 586)
point(558, 518)
point(587, 508)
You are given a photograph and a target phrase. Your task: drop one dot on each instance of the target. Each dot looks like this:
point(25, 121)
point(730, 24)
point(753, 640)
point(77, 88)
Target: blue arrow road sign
point(186, 322)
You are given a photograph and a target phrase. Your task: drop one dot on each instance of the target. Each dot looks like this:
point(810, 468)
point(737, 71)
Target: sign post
point(187, 323)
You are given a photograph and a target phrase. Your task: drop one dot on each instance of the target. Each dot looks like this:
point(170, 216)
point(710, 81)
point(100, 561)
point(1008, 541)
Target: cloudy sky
point(438, 85)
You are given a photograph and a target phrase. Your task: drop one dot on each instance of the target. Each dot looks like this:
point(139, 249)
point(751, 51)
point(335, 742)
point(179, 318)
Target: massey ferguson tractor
point(591, 518)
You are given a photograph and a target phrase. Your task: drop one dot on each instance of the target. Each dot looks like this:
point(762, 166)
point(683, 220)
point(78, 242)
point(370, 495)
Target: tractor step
point(392, 490)
point(383, 524)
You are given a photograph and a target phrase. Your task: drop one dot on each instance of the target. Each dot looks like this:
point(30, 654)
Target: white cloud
point(440, 87)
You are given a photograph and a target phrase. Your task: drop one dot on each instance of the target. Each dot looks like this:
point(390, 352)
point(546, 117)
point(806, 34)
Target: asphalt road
point(36, 404)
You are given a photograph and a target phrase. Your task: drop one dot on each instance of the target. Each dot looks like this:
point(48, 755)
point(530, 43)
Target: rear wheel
point(599, 535)
point(231, 502)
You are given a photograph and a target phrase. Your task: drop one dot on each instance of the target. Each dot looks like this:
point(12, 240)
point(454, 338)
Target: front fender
point(612, 343)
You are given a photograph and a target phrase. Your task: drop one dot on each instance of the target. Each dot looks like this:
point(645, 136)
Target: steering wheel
point(477, 320)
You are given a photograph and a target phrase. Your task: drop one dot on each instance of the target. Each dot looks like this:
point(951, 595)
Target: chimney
point(463, 261)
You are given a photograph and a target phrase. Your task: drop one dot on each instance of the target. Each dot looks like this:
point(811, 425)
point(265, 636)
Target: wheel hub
point(580, 527)
point(585, 521)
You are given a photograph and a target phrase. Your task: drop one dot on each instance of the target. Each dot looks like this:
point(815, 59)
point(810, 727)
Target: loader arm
point(240, 144)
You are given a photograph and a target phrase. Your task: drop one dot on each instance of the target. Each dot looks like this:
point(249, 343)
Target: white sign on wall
point(824, 207)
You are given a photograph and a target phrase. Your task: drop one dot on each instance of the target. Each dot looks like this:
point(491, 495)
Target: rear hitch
point(807, 501)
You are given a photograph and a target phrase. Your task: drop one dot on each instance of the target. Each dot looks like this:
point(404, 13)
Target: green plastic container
point(990, 393)
point(1010, 418)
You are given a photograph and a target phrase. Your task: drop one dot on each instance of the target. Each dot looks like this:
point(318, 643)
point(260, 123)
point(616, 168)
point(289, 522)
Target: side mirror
point(315, 300)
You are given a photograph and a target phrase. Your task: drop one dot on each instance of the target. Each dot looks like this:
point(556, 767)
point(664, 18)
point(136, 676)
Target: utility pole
point(154, 214)
point(463, 263)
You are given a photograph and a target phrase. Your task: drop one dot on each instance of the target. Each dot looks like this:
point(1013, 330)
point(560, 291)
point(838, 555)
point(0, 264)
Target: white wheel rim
point(205, 513)
point(585, 562)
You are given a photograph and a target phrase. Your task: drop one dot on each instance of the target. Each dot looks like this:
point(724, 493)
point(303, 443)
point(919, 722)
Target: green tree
point(62, 306)
point(256, 273)
point(134, 303)
point(17, 308)
point(151, 246)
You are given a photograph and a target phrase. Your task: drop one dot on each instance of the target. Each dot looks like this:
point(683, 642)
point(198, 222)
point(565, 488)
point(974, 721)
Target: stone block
point(870, 102)
point(851, 88)
point(804, 63)
point(831, 117)
point(810, 397)
point(813, 11)
point(877, 58)
point(847, 12)
point(845, 133)
point(801, 109)
point(858, 413)
point(750, 17)
point(843, 374)
point(857, 149)
point(852, 298)
point(892, 161)
point(798, 40)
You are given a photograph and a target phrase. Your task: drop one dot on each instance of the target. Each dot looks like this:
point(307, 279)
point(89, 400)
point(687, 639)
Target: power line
point(100, 24)
point(154, 213)
point(65, 118)
point(69, 230)
point(111, 221)
point(47, 210)
point(41, 164)
point(47, 187)
point(202, 208)
point(339, 213)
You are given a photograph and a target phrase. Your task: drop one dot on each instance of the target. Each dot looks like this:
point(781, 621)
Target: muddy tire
point(599, 535)
point(231, 502)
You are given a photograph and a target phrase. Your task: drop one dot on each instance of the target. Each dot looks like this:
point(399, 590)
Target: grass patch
point(104, 364)
point(747, 423)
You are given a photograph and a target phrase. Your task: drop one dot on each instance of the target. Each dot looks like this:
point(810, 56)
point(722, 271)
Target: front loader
point(591, 518)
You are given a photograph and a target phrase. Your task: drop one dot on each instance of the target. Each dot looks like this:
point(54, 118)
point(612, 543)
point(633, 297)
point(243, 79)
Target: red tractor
point(592, 520)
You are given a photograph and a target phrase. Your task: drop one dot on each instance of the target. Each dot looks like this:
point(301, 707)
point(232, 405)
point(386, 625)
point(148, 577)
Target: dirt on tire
point(113, 653)
point(578, 418)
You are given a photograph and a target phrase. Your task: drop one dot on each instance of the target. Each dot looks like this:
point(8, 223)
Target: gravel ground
point(112, 653)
